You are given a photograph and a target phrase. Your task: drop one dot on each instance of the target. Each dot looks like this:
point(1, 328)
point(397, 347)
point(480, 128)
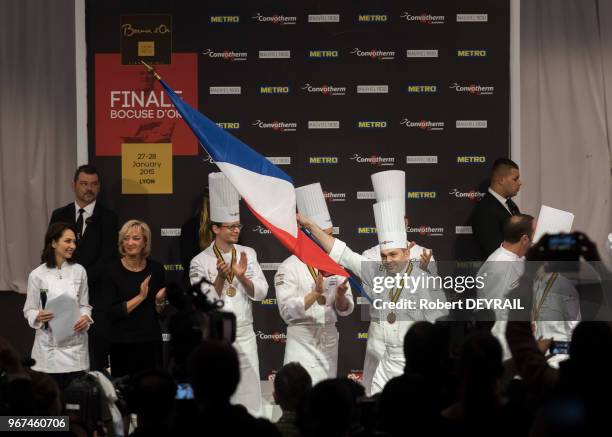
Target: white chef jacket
point(375, 347)
point(502, 272)
point(204, 265)
point(312, 337)
point(393, 361)
point(559, 313)
point(72, 354)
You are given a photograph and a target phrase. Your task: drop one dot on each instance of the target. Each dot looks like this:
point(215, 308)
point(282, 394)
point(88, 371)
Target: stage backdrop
point(330, 91)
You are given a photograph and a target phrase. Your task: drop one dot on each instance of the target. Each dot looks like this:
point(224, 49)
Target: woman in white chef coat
point(58, 276)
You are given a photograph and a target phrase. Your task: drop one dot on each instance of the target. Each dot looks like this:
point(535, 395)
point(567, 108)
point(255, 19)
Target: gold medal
point(231, 291)
point(391, 318)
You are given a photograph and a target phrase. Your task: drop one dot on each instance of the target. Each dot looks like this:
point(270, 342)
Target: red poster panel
point(131, 106)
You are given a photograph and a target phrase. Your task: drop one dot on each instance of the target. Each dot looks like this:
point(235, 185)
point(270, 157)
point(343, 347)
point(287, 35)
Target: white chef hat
point(390, 185)
point(311, 204)
point(389, 217)
point(224, 199)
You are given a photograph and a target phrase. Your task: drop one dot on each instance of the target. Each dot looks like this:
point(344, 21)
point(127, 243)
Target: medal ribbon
point(395, 294)
point(536, 310)
point(230, 277)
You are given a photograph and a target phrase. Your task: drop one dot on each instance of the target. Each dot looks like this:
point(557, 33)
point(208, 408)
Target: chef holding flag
point(310, 301)
point(389, 185)
point(395, 256)
point(237, 280)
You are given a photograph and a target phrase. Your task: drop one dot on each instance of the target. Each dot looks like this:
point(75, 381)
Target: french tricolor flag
point(267, 190)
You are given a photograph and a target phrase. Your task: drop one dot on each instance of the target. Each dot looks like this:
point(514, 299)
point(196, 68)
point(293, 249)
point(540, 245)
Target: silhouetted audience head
point(291, 382)
point(152, 396)
point(326, 410)
point(424, 349)
point(408, 400)
point(214, 372)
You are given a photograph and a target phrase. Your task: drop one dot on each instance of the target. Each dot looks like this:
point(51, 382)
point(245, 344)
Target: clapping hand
point(239, 268)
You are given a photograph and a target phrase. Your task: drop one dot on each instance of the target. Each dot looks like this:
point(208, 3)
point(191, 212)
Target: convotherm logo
point(471, 159)
point(376, 54)
point(373, 160)
point(325, 90)
point(372, 18)
point(275, 337)
point(423, 18)
point(277, 126)
point(473, 89)
point(226, 55)
point(282, 20)
point(261, 230)
point(471, 53)
point(334, 197)
point(472, 195)
point(225, 19)
point(323, 160)
point(424, 125)
point(273, 89)
point(229, 125)
point(372, 124)
point(427, 231)
point(323, 54)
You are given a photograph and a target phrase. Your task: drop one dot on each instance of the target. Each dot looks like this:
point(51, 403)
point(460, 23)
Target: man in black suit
point(97, 229)
point(496, 206)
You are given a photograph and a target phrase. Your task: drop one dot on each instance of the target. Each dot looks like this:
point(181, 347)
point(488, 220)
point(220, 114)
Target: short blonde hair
point(146, 233)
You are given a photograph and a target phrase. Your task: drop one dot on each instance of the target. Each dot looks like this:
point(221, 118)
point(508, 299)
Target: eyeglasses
point(233, 227)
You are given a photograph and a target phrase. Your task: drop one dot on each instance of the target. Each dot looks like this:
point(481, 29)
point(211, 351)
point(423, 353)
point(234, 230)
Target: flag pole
point(151, 70)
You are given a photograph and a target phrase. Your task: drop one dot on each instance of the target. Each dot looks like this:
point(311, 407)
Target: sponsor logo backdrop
point(332, 92)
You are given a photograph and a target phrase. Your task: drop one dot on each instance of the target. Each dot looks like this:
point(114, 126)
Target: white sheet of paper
point(65, 314)
point(553, 221)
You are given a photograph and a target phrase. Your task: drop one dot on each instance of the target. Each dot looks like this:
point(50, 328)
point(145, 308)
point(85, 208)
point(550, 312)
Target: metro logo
point(224, 19)
point(366, 230)
point(372, 18)
point(229, 125)
point(274, 90)
point(422, 194)
point(323, 160)
point(323, 54)
point(471, 159)
point(429, 89)
point(372, 124)
point(471, 53)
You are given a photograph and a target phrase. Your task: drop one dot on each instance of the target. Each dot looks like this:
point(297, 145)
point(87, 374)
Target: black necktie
point(79, 224)
point(512, 207)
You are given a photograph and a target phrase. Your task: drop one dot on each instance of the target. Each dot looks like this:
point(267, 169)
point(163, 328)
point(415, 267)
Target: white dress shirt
point(501, 199)
point(87, 213)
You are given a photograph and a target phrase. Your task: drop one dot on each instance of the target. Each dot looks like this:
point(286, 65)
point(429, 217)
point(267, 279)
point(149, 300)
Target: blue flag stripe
point(221, 145)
